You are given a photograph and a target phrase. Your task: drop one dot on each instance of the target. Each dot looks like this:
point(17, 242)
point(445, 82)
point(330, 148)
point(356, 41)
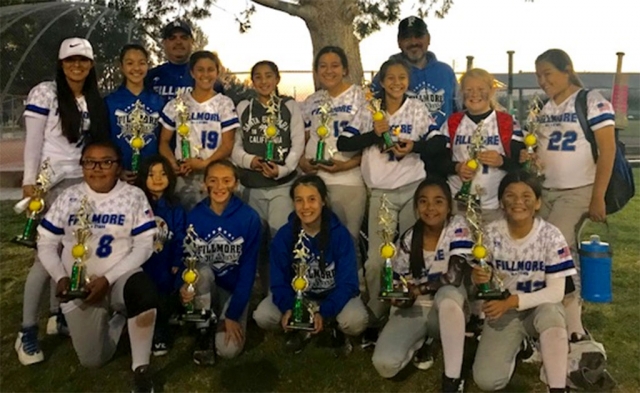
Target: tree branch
point(290, 8)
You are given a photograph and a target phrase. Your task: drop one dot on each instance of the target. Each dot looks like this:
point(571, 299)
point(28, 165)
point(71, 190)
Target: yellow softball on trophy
point(189, 277)
point(387, 251)
point(479, 251)
point(78, 251)
point(271, 131)
point(137, 142)
point(183, 129)
point(530, 140)
point(379, 115)
point(36, 205)
point(299, 284)
point(322, 131)
point(473, 164)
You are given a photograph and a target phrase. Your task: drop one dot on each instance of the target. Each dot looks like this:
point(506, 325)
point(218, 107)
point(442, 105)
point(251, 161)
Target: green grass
point(264, 367)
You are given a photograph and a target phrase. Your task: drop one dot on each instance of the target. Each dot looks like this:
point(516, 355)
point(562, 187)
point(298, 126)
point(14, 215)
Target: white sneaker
point(28, 349)
point(52, 326)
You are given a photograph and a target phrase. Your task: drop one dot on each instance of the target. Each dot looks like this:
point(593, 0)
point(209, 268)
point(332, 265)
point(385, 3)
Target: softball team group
point(245, 212)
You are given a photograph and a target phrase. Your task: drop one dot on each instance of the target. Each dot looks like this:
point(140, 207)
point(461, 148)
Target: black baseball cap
point(176, 25)
point(412, 27)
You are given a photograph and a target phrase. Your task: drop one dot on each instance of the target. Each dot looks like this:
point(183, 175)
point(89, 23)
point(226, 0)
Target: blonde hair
point(489, 80)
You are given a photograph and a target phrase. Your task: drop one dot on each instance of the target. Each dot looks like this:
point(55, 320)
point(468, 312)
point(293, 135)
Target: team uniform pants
point(38, 276)
point(273, 205)
point(211, 296)
point(401, 208)
point(190, 189)
point(407, 329)
point(95, 330)
point(500, 343)
point(352, 319)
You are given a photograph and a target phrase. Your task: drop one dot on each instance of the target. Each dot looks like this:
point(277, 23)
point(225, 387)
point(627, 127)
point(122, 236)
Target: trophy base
point(276, 162)
point(384, 295)
point(494, 294)
point(73, 295)
point(197, 316)
point(323, 162)
point(23, 241)
point(305, 326)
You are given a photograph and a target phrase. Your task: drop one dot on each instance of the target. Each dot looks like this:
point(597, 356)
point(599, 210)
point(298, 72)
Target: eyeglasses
point(104, 164)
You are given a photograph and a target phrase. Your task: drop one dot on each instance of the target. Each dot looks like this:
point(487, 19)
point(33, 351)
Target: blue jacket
point(333, 288)
point(435, 85)
point(119, 104)
point(229, 244)
point(159, 265)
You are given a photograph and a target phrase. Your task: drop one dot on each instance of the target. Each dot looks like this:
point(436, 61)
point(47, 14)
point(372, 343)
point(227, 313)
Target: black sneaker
point(340, 343)
point(474, 326)
point(160, 343)
point(423, 359)
point(295, 341)
point(142, 380)
point(369, 338)
point(205, 353)
point(451, 385)
point(559, 390)
point(529, 351)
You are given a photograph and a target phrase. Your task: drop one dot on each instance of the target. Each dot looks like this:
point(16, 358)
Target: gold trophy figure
point(271, 131)
point(80, 252)
point(182, 117)
point(387, 231)
point(190, 277)
point(134, 130)
point(302, 313)
point(475, 146)
point(374, 105)
point(323, 131)
point(531, 139)
point(34, 205)
point(494, 289)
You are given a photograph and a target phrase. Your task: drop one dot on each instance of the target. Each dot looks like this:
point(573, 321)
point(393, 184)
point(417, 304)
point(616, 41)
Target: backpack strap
point(452, 123)
point(581, 113)
point(505, 129)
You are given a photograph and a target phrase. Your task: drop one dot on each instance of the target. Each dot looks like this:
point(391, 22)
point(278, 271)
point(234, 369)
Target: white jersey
point(64, 157)
point(563, 149)
point(116, 217)
point(207, 121)
point(343, 109)
point(524, 264)
point(487, 179)
point(383, 170)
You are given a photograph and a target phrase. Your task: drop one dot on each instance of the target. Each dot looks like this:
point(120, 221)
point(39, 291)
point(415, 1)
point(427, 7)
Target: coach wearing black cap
point(432, 81)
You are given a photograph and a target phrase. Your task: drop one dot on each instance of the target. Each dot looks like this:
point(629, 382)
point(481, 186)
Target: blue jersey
point(435, 85)
point(167, 245)
point(170, 79)
point(120, 105)
point(228, 244)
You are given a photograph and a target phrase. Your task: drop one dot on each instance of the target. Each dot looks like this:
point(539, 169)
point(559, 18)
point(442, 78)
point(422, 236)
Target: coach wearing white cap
point(60, 116)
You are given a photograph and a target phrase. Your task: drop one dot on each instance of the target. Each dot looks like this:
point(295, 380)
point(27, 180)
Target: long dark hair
point(70, 116)
point(518, 176)
point(416, 259)
point(332, 49)
point(562, 62)
point(143, 173)
point(123, 52)
point(272, 66)
point(325, 218)
point(384, 68)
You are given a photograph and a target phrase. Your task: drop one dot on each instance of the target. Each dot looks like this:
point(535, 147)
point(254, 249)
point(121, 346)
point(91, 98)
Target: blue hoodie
point(159, 265)
point(229, 244)
point(333, 288)
point(435, 85)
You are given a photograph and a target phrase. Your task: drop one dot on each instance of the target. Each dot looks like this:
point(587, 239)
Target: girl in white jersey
point(347, 193)
point(211, 123)
point(574, 185)
point(432, 258)
point(395, 172)
point(532, 259)
point(59, 116)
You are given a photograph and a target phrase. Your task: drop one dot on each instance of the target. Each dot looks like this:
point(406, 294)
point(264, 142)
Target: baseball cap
point(75, 47)
point(412, 27)
point(176, 25)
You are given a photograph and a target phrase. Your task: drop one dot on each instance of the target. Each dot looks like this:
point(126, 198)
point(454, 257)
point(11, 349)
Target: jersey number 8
point(104, 246)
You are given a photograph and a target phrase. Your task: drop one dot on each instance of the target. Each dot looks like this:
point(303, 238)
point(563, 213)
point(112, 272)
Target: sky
point(591, 33)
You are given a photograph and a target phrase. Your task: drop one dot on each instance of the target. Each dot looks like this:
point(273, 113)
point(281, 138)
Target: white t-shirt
point(207, 122)
point(383, 170)
point(564, 151)
point(64, 157)
point(487, 179)
point(524, 264)
point(344, 108)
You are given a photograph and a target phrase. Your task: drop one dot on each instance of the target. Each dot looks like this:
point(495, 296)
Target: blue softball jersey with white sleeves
point(170, 80)
point(228, 244)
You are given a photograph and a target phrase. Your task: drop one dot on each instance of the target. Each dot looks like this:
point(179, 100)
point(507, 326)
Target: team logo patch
point(220, 250)
point(162, 235)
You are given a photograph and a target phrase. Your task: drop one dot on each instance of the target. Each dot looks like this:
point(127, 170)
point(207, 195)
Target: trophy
point(302, 314)
point(271, 131)
point(134, 130)
point(387, 251)
point(34, 205)
point(531, 140)
point(80, 253)
point(374, 105)
point(475, 146)
point(182, 117)
point(190, 277)
point(494, 288)
point(323, 131)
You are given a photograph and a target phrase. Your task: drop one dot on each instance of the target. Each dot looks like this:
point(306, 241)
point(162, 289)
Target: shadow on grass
point(254, 376)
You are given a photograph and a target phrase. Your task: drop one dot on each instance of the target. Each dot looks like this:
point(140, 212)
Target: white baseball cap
point(75, 47)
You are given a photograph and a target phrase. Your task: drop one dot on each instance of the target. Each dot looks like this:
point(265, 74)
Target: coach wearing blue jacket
point(226, 244)
point(332, 270)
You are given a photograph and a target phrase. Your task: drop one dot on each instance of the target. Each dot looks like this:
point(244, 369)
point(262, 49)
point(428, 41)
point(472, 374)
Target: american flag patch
point(564, 252)
point(604, 107)
point(461, 232)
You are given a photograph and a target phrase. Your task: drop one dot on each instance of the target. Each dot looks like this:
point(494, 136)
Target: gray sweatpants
point(501, 339)
point(352, 320)
point(38, 276)
point(407, 329)
point(211, 296)
point(190, 189)
point(401, 207)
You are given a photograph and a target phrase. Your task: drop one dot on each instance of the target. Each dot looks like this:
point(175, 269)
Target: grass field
point(264, 367)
